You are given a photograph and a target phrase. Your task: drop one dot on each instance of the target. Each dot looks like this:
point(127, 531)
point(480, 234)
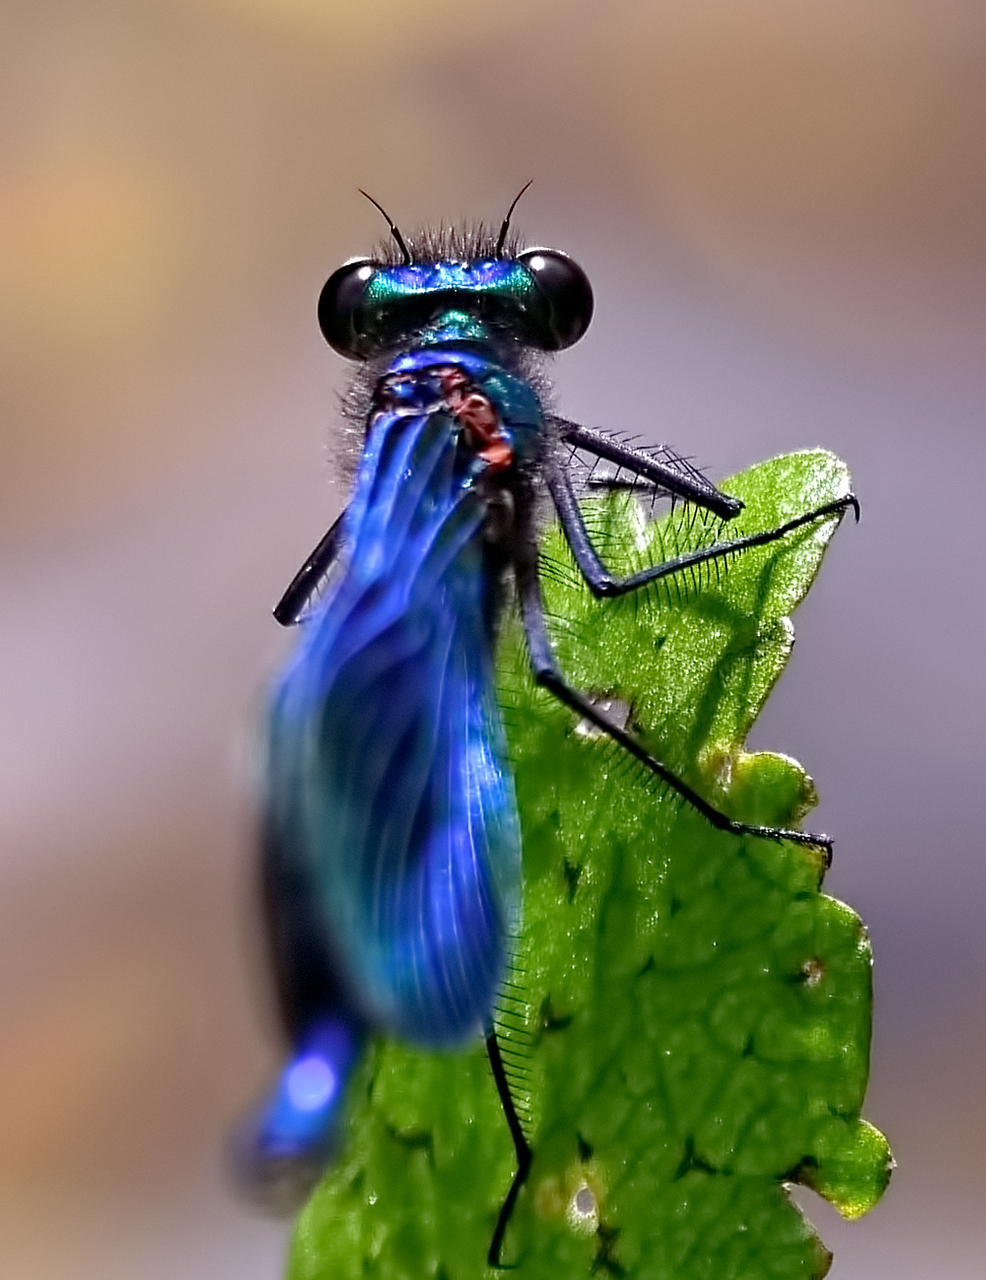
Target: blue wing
point(392, 849)
point(387, 800)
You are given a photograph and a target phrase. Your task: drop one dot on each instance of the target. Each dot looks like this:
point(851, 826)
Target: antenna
point(396, 233)
point(504, 225)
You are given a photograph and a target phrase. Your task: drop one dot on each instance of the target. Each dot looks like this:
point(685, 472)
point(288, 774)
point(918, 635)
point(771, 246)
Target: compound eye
point(340, 300)
point(566, 289)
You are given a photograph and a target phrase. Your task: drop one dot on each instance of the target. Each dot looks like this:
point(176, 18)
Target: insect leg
point(690, 485)
point(603, 583)
point(549, 676)
point(291, 605)
point(524, 1153)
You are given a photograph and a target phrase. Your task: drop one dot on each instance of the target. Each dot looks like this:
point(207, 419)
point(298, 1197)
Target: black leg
point(603, 583)
point(548, 675)
point(524, 1153)
point(684, 483)
point(305, 582)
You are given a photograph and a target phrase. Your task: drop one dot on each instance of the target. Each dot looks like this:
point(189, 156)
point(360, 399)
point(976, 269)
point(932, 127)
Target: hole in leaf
point(583, 1210)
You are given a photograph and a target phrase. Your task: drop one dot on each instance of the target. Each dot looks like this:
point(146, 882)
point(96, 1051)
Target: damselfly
point(391, 852)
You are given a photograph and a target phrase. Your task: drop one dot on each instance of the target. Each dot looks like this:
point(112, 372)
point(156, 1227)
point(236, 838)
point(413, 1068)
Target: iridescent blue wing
point(392, 847)
point(386, 792)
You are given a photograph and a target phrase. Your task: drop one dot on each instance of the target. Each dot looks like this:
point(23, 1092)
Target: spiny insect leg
point(549, 676)
point(524, 1153)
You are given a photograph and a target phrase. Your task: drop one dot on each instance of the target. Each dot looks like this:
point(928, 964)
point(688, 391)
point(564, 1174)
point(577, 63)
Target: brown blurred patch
point(828, 157)
point(128, 1039)
point(168, 167)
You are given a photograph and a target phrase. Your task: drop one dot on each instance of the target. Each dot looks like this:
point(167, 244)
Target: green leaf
point(687, 1020)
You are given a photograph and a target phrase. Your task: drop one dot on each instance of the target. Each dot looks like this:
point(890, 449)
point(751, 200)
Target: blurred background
point(781, 206)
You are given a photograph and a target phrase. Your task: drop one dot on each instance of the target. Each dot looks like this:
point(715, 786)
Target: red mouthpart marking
point(478, 415)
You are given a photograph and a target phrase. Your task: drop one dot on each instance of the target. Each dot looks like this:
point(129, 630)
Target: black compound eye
point(566, 289)
point(340, 299)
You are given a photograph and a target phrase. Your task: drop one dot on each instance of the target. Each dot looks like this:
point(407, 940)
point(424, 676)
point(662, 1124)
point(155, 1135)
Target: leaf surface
point(686, 1023)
